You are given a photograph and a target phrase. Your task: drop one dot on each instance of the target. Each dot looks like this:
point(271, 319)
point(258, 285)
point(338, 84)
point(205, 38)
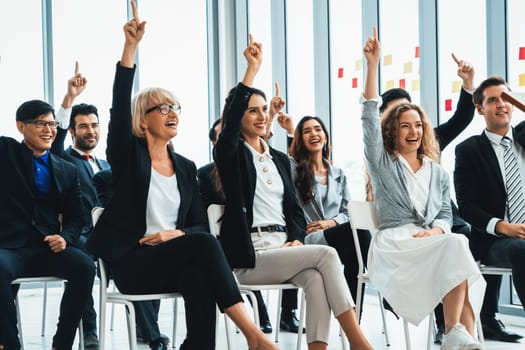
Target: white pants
point(315, 268)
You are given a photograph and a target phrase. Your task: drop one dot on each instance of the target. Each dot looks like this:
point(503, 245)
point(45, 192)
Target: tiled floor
point(31, 306)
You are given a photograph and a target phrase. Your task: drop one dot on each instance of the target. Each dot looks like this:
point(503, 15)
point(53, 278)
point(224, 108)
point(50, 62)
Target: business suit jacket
point(123, 222)
point(207, 187)
point(238, 175)
point(103, 183)
point(17, 189)
point(85, 172)
point(480, 189)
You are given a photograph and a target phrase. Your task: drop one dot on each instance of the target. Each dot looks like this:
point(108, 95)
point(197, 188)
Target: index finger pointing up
point(135, 11)
point(76, 67)
point(276, 89)
point(250, 39)
point(375, 33)
point(457, 60)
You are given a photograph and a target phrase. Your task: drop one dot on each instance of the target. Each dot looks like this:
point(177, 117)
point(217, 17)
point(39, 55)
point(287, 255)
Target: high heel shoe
point(388, 307)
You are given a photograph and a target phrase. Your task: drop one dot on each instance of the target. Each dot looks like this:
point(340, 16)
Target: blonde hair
point(390, 124)
point(144, 100)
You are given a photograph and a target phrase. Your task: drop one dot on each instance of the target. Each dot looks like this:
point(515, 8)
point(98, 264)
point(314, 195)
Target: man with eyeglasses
point(39, 223)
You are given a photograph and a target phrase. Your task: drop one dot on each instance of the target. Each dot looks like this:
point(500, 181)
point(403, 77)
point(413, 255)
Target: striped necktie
point(515, 198)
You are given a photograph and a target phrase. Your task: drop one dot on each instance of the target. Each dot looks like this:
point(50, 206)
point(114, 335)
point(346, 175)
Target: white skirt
point(414, 274)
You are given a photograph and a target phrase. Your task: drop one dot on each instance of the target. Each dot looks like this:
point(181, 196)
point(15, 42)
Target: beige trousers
point(315, 268)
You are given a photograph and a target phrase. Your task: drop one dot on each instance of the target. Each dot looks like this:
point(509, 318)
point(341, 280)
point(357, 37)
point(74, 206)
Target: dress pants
point(316, 269)
point(194, 265)
point(508, 253)
point(89, 316)
point(147, 316)
point(36, 259)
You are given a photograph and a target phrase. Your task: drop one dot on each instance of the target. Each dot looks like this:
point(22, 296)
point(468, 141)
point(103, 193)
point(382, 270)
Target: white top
point(268, 200)
point(163, 203)
point(62, 117)
point(495, 142)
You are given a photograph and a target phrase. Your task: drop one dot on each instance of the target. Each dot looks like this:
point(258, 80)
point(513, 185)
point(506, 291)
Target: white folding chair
point(215, 212)
point(44, 280)
point(115, 297)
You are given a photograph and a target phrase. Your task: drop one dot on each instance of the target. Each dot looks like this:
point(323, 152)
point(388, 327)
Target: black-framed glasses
point(40, 124)
point(164, 108)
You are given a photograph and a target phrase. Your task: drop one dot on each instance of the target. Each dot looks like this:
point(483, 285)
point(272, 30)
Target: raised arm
point(372, 52)
point(133, 31)
point(448, 131)
point(253, 54)
point(276, 105)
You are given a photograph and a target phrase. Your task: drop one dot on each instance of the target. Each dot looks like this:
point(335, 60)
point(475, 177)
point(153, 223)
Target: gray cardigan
point(393, 204)
point(334, 205)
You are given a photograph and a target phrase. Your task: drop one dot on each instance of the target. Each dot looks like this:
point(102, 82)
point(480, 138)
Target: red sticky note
point(417, 52)
point(340, 72)
point(522, 53)
point(354, 83)
point(448, 105)
point(402, 83)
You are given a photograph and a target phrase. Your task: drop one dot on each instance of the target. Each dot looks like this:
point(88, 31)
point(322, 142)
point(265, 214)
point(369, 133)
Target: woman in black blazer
point(153, 232)
point(263, 226)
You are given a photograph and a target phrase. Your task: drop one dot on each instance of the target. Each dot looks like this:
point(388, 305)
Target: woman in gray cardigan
point(413, 259)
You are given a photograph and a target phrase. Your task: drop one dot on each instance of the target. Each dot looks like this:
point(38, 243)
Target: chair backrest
point(96, 212)
point(215, 212)
point(363, 215)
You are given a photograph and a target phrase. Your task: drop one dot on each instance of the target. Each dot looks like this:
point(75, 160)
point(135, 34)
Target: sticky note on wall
point(340, 72)
point(448, 104)
point(522, 53)
point(416, 54)
point(456, 86)
point(387, 60)
point(358, 64)
point(354, 83)
point(407, 68)
point(402, 83)
point(521, 79)
point(389, 84)
point(415, 85)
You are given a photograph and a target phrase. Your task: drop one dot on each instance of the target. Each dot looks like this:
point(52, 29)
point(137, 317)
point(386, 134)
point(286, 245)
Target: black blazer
point(103, 182)
point(85, 172)
point(17, 190)
point(480, 189)
point(461, 118)
point(123, 221)
point(235, 163)
point(209, 194)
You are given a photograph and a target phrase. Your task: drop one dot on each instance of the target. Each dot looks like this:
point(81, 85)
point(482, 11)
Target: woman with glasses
point(322, 192)
point(154, 233)
point(263, 226)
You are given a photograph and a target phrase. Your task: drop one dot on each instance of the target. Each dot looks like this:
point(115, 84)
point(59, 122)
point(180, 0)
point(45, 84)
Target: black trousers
point(89, 316)
point(193, 265)
point(340, 237)
point(36, 259)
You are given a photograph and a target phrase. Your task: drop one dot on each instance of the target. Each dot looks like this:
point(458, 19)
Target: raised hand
point(277, 103)
point(372, 48)
point(253, 55)
point(134, 29)
point(75, 86)
point(286, 122)
point(465, 72)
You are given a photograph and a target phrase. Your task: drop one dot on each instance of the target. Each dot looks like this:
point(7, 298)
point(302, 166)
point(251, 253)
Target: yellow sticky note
point(358, 64)
point(387, 60)
point(415, 85)
point(521, 79)
point(456, 86)
point(389, 84)
point(408, 67)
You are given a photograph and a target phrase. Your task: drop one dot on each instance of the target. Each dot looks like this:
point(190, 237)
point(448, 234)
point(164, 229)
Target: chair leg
point(112, 320)
point(80, 336)
point(278, 317)
point(383, 317)
point(102, 322)
point(175, 311)
point(19, 321)
point(132, 332)
point(359, 297)
point(44, 309)
point(301, 322)
point(481, 337)
point(407, 335)
point(430, 335)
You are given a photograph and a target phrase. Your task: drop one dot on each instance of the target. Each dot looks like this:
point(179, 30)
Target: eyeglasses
point(165, 108)
point(40, 124)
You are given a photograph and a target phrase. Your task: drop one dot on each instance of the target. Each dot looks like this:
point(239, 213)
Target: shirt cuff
point(378, 100)
point(468, 91)
point(62, 117)
point(491, 226)
point(444, 225)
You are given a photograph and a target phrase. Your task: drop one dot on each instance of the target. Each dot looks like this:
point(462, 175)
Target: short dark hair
point(391, 95)
point(212, 134)
point(83, 109)
point(477, 95)
point(32, 109)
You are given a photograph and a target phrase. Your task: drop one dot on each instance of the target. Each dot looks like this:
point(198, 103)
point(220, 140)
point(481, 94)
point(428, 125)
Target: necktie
point(515, 198)
point(87, 157)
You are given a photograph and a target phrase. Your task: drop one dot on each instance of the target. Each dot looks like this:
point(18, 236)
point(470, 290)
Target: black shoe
point(266, 327)
point(158, 345)
point(439, 334)
point(163, 338)
point(388, 307)
point(91, 341)
point(289, 322)
point(495, 329)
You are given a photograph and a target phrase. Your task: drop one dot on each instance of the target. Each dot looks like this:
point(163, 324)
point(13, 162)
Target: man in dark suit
point(487, 196)
point(36, 188)
point(82, 122)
